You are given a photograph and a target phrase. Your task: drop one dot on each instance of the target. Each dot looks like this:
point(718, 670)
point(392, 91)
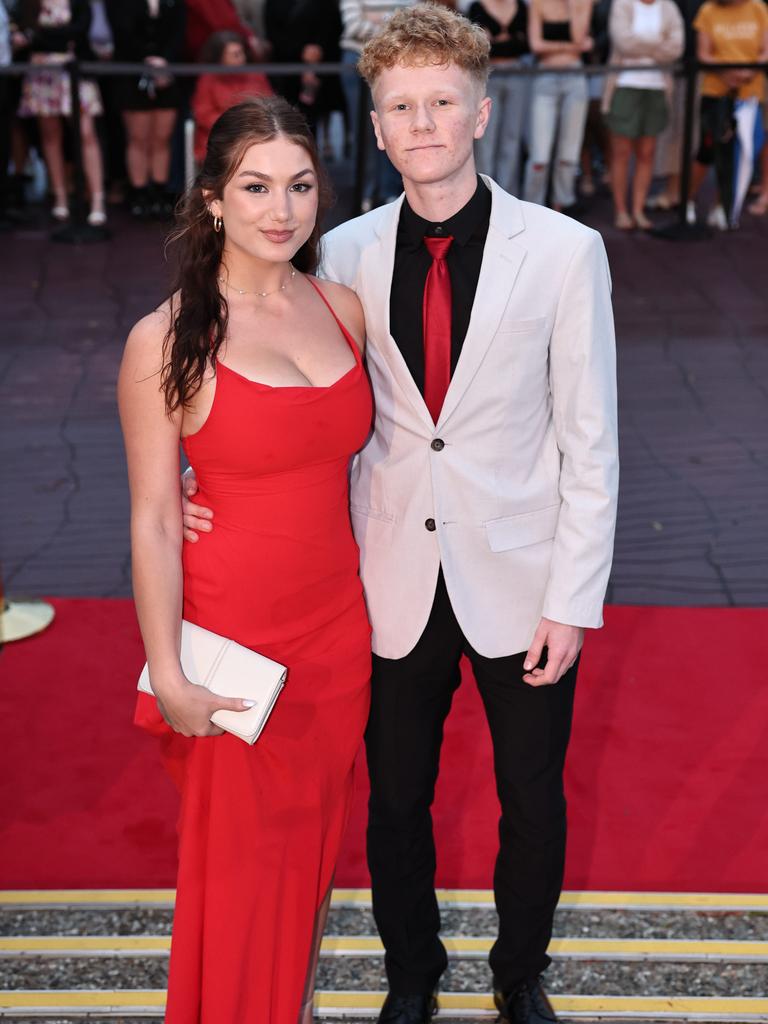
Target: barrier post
point(361, 144)
point(680, 230)
point(78, 229)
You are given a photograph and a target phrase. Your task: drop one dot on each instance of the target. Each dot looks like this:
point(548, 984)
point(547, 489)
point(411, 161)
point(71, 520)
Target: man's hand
point(563, 644)
point(195, 517)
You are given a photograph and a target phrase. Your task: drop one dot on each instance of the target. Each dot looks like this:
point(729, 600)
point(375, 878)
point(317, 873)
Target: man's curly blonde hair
point(425, 34)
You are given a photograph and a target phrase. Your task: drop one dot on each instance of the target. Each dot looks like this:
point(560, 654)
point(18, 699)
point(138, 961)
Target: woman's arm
point(624, 42)
point(356, 25)
point(705, 51)
point(580, 15)
point(205, 109)
point(538, 44)
point(152, 447)
point(673, 41)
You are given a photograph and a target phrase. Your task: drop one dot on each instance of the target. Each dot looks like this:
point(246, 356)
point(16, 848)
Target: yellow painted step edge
point(135, 998)
point(448, 897)
point(350, 945)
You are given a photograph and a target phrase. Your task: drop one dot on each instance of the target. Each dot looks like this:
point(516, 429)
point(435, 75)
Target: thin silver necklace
point(262, 295)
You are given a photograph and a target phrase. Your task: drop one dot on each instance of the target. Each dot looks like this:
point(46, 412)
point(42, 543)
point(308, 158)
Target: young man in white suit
point(485, 516)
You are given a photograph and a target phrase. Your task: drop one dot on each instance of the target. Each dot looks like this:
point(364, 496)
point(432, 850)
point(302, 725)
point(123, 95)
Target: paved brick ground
point(692, 322)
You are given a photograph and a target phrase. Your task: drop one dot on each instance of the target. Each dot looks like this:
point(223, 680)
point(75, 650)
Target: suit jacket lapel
point(502, 260)
point(377, 270)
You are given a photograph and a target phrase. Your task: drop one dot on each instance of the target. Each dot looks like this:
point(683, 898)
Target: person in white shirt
point(637, 103)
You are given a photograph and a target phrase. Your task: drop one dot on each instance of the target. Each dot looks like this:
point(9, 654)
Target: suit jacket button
point(438, 444)
point(430, 525)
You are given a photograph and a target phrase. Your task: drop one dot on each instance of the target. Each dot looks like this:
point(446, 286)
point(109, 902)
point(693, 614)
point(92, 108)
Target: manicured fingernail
point(527, 666)
point(249, 703)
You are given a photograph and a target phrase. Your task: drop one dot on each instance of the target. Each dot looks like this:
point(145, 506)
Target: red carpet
point(666, 774)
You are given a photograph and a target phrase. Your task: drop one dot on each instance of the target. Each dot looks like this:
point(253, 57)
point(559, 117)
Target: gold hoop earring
point(218, 224)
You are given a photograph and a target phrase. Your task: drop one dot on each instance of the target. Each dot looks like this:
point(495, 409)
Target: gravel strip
point(626, 924)
point(347, 1020)
point(574, 978)
point(86, 922)
point(661, 924)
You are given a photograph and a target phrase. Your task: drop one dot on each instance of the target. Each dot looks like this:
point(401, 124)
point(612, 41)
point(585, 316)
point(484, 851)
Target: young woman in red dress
point(255, 367)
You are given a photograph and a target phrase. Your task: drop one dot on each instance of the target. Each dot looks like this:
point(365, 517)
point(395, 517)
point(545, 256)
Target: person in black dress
point(305, 31)
point(150, 31)
point(498, 152)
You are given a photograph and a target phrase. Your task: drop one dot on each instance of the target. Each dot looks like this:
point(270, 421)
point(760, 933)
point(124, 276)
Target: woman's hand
point(161, 81)
point(312, 53)
point(187, 707)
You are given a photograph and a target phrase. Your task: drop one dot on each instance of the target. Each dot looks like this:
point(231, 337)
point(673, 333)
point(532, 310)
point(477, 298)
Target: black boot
point(527, 1004)
point(139, 202)
point(161, 201)
point(408, 1009)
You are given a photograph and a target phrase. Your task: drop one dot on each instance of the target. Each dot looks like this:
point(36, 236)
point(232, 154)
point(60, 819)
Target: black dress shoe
point(408, 1009)
point(527, 1004)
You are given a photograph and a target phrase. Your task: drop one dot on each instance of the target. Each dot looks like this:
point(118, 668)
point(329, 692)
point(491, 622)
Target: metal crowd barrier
point(78, 230)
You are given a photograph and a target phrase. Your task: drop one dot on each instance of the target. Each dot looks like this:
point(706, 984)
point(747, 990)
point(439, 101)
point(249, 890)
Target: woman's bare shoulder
point(347, 307)
point(146, 339)
point(151, 330)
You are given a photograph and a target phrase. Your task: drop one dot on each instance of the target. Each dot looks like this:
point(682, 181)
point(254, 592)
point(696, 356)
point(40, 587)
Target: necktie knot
point(438, 247)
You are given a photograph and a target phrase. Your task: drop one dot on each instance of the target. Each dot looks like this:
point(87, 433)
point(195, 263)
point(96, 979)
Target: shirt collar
point(471, 222)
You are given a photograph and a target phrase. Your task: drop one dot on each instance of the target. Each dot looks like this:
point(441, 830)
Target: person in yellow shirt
point(730, 31)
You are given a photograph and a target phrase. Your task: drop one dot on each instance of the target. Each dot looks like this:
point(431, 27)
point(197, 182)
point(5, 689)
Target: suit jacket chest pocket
point(520, 357)
point(534, 326)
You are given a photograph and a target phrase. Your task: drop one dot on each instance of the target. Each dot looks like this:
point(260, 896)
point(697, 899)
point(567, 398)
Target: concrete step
point(364, 1005)
point(458, 947)
point(617, 956)
point(462, 898)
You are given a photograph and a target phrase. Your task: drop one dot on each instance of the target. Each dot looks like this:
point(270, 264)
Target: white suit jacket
point(522, 491)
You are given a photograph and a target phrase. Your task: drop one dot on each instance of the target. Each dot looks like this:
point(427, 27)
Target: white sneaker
point(97, 218)
point(717, 219)
point(690, 212)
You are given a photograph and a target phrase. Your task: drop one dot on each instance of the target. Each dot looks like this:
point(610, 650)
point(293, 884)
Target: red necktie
point(437, 326)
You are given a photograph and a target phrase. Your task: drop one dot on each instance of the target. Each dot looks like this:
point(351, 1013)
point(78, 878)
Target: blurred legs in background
point(148, 158)
point(558, 114)
point(498, 151)
point(382, 180)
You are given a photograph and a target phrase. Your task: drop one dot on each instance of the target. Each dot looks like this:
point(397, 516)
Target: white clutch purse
point(229, 670)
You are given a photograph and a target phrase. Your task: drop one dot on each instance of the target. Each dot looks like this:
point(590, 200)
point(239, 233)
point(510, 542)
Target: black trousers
point(530, 728)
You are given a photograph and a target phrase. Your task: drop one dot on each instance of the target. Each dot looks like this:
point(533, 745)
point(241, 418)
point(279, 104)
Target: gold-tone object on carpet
point(20, 619)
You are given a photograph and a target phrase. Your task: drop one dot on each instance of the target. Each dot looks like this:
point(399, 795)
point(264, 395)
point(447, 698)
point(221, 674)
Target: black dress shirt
point(469, 228)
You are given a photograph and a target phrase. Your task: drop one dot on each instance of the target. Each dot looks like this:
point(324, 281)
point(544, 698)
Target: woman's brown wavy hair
point(199, 312)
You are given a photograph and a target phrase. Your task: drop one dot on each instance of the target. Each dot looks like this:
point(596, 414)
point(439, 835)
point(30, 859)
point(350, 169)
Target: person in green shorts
point(636, 102)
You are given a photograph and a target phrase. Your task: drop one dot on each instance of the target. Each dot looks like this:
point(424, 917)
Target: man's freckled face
point(427, 118)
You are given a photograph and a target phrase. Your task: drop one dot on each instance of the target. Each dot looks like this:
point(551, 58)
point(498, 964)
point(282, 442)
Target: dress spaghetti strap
point(350, 340)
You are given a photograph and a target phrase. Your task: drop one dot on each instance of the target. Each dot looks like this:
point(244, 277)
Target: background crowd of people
point(556, 136)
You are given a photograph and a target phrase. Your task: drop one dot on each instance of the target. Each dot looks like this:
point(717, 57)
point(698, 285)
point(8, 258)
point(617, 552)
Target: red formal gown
point(260, 827)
